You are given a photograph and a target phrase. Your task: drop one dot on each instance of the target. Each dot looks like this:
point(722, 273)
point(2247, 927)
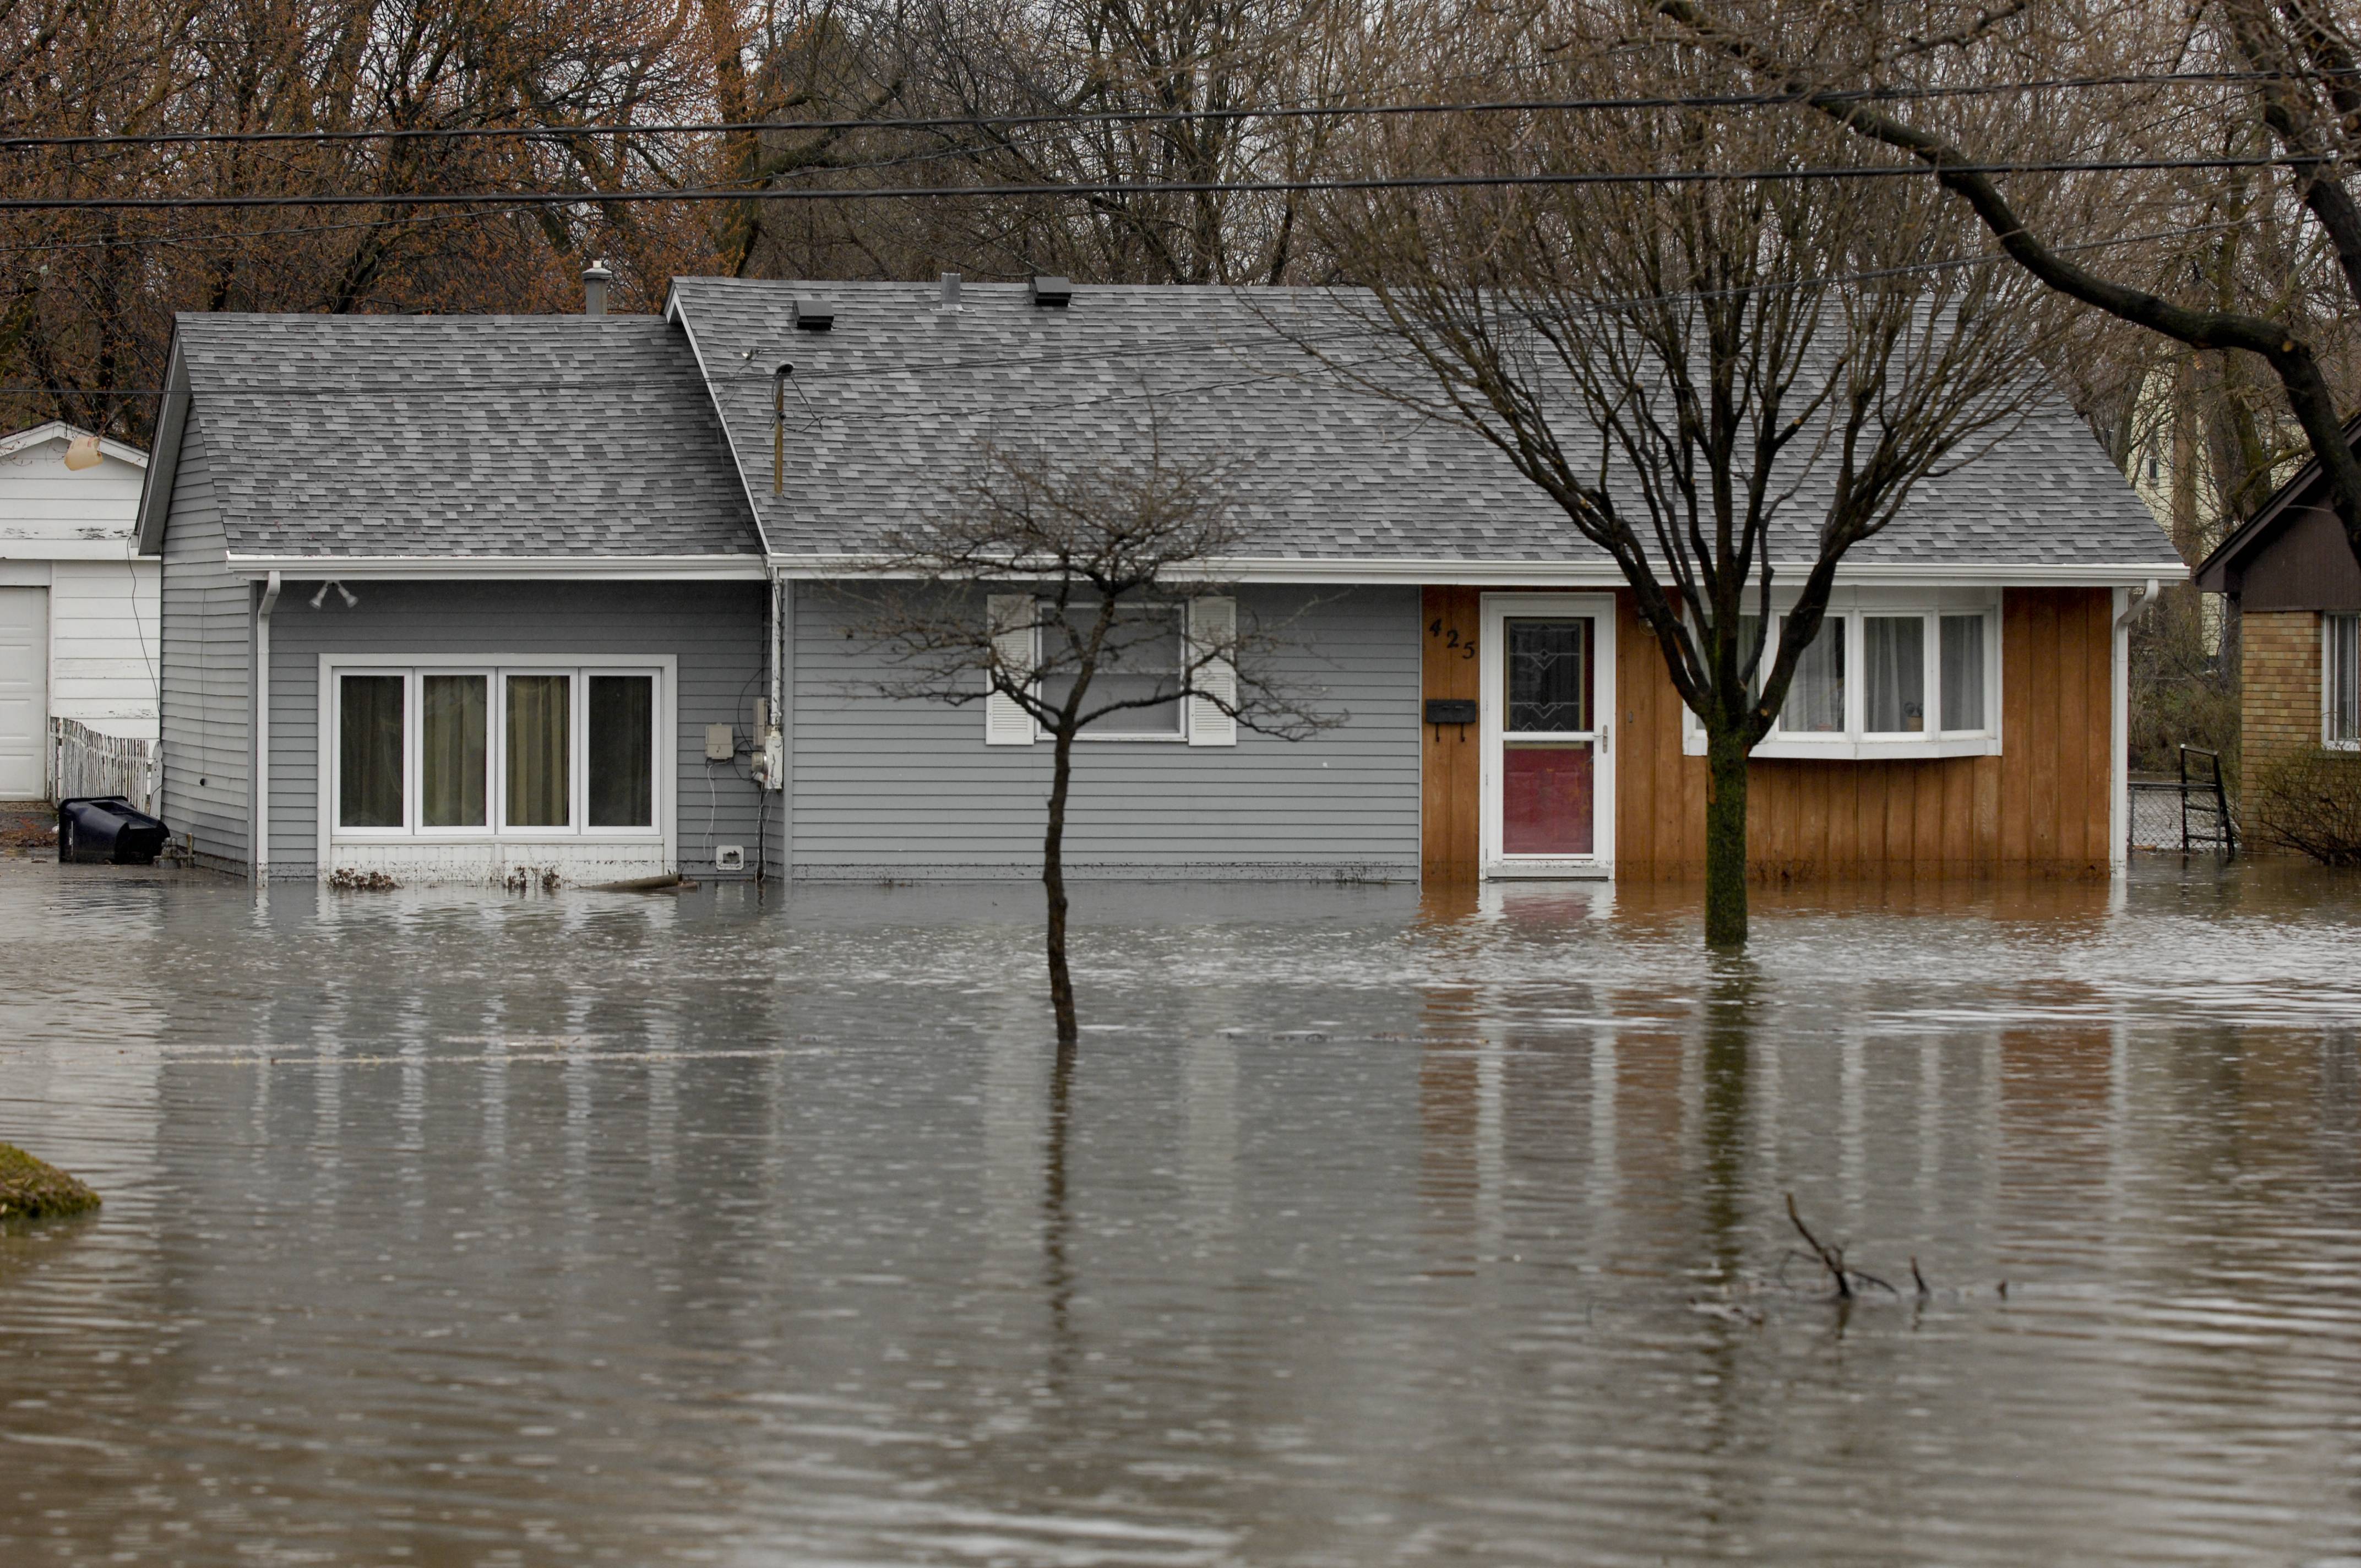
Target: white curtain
point(1895, 648)
point(1963, 671)
point(1816, 701)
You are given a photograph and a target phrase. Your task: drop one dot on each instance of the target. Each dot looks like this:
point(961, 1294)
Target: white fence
point(87, 762)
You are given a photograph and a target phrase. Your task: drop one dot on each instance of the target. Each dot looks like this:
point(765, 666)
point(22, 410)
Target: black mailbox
point(107, 829)
point(1452, 710)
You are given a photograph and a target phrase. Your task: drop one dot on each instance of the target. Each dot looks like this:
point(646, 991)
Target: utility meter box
point(720, 742)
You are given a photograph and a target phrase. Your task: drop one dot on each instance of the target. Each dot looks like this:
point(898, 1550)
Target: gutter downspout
point(262, 730)
point(2130, 605)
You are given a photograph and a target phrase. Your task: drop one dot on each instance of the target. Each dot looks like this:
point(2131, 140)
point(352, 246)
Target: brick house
point(2293, 576)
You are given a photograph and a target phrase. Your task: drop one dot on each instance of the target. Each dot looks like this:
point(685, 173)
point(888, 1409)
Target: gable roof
point(891, 408)
point(436, 437)
point(61, 430)
point(2305, 489)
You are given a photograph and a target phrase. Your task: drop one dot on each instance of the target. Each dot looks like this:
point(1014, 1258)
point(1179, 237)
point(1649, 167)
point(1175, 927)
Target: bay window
point(1892, 673)
point(457, 753)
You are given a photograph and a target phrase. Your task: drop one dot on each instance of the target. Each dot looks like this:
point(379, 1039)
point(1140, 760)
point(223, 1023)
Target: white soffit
point(1601, 573)
point(359, 568)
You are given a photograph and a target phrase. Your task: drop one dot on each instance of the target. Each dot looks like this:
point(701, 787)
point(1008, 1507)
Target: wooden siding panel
point(2042, 805)
point(1450, 759)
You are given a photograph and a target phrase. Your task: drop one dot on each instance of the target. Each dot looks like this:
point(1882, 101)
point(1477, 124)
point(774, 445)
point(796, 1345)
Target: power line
point(1164, 117)
point(221, 237)
point(1000, 362)
point(1142, 188)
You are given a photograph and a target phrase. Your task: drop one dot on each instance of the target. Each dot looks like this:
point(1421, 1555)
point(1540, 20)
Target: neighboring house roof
point(892, 406)
point(2305, 492)
point(332, 438)
point(51, 513)
point(60, 430)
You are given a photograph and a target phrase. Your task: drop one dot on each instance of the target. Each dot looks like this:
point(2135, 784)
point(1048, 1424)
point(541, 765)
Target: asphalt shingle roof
point(895, 403)
point(462, 436)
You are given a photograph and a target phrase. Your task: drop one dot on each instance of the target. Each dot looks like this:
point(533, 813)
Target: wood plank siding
point(2043, 805)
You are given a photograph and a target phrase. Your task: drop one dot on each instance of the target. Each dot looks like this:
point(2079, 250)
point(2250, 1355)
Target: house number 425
point(1450, 638)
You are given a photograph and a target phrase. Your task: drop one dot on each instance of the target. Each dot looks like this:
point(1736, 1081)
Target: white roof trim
point(1603, 574)
point(646, 568)
point(59, 430)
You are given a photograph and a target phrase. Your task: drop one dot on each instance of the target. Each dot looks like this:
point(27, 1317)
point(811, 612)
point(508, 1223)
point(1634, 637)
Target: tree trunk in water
point(1724, 842)
point(1053, 883)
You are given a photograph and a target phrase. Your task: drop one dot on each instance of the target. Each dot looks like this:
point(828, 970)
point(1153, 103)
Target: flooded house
point(2292, 573)
point(78, 607)
point(565, 597)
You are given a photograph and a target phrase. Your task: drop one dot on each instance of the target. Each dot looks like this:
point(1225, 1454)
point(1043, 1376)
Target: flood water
point(455, 1228)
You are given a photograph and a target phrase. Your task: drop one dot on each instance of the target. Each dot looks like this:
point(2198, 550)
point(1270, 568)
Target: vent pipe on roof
point(595, 278)
point(950, 300)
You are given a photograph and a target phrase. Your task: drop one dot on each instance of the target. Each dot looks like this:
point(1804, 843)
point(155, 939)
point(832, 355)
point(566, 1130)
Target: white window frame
point(664, 759)
point(1201, 722)
point(2328, 676)
point(1848, 610)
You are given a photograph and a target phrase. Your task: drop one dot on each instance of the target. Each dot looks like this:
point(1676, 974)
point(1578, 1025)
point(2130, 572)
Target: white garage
point(24, 692)
point(78, 607)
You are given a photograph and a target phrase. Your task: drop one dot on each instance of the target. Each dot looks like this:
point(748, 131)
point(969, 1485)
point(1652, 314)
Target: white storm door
point(24, 693)
point(1549, 776)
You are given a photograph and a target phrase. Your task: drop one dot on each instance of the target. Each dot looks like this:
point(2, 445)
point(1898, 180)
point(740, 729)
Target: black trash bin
point(108, 829)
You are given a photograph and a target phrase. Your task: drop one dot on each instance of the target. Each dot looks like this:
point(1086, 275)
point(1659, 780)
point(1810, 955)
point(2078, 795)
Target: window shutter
point(1213, 623)
point(1006, 722)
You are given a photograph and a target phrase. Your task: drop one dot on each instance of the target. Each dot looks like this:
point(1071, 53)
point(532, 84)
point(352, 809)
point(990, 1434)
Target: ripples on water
point(457, 1229)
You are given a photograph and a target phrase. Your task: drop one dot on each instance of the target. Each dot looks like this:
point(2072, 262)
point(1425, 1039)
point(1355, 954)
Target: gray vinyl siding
point(207, 694)
point(713, 629)
point(899, 788)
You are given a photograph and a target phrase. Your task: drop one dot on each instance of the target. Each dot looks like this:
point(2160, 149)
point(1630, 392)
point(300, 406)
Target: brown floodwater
point(456, 1228)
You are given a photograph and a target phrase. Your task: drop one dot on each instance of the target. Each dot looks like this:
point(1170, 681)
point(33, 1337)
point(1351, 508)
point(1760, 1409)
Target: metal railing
point(2187, 813)
point(84, 763)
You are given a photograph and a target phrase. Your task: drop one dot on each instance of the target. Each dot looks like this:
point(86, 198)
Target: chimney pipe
point(595, 278)
point(951, 300)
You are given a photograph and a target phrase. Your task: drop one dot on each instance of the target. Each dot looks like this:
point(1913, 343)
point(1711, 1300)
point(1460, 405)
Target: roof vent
point(814, 315)
point(1052, 291)
point(950, 300)
point(595, 278)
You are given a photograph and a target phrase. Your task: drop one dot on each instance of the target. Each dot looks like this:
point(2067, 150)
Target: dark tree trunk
point(1725, 841)
point(1053, 884)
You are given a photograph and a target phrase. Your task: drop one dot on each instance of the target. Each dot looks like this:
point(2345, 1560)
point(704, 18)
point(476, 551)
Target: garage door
point(24, 692)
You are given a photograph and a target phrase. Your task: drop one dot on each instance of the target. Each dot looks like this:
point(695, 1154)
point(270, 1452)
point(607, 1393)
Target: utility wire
point(1162, 352)
point(1147, 188)
point(222, 237)
point(1160, 116)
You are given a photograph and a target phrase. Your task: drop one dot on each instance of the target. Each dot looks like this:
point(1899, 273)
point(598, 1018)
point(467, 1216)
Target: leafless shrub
point(2309, 802)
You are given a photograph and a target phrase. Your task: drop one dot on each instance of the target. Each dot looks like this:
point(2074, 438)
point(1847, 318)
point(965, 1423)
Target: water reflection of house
point(447, 596)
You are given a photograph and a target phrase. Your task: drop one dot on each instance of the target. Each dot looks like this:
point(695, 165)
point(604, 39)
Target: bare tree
point(1712, 379)
point(1074, 598)
point(2295, 98)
